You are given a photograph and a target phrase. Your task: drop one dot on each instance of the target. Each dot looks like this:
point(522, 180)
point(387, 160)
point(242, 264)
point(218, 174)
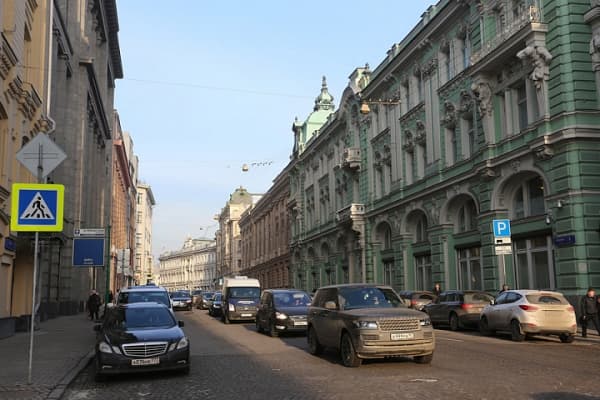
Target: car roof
point(150, 288)
point(533, 291)
point(355, 285)
point(144, 304)
point(284, 290)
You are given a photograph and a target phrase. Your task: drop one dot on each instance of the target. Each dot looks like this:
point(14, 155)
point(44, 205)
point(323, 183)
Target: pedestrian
point(111, 297)
point(437, 289)
point(589, 311)
point(504, 288)
point(93, 305)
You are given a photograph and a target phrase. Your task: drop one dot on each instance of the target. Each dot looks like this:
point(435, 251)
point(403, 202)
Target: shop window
point(470, 268)
point(424, 272)
point(534, 263)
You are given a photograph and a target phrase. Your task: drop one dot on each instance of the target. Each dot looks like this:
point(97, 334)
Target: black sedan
point(140, 337)
point(282, 310)
point(181, 300)
point(215, 305)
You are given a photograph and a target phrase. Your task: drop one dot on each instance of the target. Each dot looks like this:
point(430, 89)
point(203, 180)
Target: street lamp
point(365, 109)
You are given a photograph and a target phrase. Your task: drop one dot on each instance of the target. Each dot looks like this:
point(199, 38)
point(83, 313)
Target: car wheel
point(515, 331)
point(225, 319)
point(454, 323)
point(186, 370)
point(98, 376)
point(259, 329)
point(272, 331)
point(484, 328)
point(314, 347)
point(424, 359)
point(567, 338)
point(347, 352)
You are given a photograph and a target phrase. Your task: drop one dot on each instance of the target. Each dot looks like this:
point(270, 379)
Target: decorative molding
point(483, 94)
point(409, 145)
point(539, 58)
point(449, 118)
point(421, 136)
point(8, 58)
point(544, 152)
point(466, 104)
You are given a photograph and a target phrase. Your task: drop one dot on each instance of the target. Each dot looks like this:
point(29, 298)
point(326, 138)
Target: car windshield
point(140, 318)
point(244, 292)
point(207, 295)
point(196, 292)
point(478, 298)
point(368, 297)
point(292, 299)
point(145, 296)
point(180, 294)
point(546, 298)
point(217, 297)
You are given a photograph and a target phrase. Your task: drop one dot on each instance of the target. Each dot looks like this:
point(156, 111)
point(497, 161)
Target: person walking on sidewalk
point(589, 311)
point(93, 305)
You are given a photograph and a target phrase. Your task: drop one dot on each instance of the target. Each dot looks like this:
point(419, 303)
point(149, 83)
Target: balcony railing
point(351, 212)
point(531, 14)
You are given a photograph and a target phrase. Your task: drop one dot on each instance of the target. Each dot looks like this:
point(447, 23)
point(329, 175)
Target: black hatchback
point(140, 337)
point(282, 310)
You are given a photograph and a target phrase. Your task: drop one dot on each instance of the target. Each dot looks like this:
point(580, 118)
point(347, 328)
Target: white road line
point(450, 340)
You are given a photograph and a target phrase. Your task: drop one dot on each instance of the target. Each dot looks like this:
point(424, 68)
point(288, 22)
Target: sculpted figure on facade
point(483, 93)
point(449, 118)
point(595, 48)
point(540, 59)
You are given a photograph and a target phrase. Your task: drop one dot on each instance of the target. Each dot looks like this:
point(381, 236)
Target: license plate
point(402, 336)
point(246, 315)
point(300, 323)
point(146, 361)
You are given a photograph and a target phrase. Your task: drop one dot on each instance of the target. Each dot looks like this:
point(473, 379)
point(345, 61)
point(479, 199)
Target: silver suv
point(367, 321)
point(143, 294)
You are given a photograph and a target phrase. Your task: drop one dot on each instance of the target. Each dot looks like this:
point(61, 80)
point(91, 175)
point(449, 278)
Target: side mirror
point(181, 324)
point(492, 302)
point(330, 305)
point(98, 327)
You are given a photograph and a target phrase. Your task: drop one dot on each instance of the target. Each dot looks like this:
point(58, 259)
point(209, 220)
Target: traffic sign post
point(502, 243)
point(40, 208)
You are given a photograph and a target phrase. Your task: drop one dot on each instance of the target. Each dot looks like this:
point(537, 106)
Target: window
point(330, 277)
point(424, 272)
point(467, 217)
point(529, 198)
point(346, 275)
point(466, 52)
point(470, 268)
point(455, 157)
point(534, 263)
point(315, 281)
point(388, 272)
point(421, 230)
point(470, 136)
point(522, 107)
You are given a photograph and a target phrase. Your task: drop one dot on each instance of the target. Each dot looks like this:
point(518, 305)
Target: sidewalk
point(62, 348)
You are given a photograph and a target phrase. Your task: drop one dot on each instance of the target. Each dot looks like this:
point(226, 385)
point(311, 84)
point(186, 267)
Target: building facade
point(143, 234)
point(25, 45)
point(191, 267)
point(265, 236)
point(492, 114)
point(229, 249)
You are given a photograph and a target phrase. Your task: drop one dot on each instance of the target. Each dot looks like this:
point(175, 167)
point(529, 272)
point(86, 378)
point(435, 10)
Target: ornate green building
point(491, 112)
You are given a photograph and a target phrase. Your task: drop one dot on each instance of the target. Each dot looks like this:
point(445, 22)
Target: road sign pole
point(107, 262)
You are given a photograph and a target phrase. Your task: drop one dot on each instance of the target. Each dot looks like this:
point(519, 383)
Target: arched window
point(467, 217)
point(421, 229)
point(529, 198)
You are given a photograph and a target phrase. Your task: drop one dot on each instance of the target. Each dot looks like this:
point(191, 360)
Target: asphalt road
point(235, 362)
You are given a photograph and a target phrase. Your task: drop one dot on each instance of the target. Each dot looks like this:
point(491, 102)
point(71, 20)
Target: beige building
point(265, 236)
point(229, 249)
point(191, 267)
point(143, 235)
point(24, 82)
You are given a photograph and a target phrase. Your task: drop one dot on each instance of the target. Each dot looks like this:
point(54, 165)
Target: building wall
point(493, 114)
point(143, 234)
point(24, 82)
point(265, 236)
point(191, 267)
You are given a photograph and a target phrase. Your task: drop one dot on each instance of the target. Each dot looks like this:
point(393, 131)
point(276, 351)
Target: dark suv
point(282, 310)
point(367, 321)
point(458, 308)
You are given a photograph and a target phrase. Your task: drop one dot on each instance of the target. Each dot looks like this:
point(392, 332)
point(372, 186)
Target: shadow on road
point(562, 396)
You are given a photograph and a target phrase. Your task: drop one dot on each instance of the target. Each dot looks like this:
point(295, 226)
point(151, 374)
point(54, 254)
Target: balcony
point(353, 214)
point(352, 158)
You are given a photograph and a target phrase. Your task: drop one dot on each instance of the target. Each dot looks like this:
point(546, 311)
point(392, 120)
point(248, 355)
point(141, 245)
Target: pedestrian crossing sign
point(37, 207)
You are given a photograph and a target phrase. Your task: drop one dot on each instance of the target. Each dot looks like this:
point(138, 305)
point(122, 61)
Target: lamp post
point(365, 109)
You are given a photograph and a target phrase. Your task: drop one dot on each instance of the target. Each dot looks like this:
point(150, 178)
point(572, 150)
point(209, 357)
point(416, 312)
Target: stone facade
point(191, 267)
point(496, 117)
point(265, 236)
point(144, 260)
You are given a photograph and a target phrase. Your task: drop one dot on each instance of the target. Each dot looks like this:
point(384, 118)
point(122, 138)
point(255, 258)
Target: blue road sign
point(37, 207)
point(501, 227)
point(88, 252)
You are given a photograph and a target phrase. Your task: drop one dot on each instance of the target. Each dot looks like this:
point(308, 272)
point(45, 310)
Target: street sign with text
point(88, 252)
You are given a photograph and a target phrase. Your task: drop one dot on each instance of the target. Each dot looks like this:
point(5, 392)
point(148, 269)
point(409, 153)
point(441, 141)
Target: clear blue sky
point(210, 86)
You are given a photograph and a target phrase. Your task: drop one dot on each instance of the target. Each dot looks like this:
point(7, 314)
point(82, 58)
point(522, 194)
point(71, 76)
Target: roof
point(145, 304)
point(144, 288)
point(354, 285)
point(284, 290)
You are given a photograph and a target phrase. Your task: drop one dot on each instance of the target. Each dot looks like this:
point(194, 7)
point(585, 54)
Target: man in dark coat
point(589, 311)
point(93, 305)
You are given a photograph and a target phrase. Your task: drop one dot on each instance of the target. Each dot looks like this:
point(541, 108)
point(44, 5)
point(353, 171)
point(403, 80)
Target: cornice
point(95, 96)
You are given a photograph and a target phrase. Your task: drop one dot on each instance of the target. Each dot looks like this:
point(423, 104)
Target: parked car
point(140, 337)
point(417, 299)
point(196, 293)
point(458, 308)
point(215, 305)
point(367, 321)
point(530, 312)
point(241, 296)
point(204, 299)
point(282, 310)
point(144, 294)
point(182, 300)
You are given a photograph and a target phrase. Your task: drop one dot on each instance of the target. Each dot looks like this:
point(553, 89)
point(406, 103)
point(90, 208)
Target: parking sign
point(501, 228)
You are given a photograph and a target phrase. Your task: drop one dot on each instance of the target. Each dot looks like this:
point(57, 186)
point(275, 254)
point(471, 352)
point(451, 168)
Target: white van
point(241, 296)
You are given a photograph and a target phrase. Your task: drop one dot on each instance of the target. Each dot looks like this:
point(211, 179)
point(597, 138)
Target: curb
point(60, 388)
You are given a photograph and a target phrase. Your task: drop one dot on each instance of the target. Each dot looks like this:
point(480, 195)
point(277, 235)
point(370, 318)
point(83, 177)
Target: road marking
point(425, 380)
point(451, 340)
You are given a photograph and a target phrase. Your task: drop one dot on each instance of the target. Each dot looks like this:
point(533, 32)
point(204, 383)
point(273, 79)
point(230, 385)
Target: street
point(235, 362)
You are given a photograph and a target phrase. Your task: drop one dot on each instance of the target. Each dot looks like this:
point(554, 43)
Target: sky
point(212, 85)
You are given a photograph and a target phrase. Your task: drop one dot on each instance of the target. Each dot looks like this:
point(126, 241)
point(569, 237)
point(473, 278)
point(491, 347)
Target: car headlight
point(231, 307)
point(188, 301)
point(280, 315)
point(104, 347)
point(425, 322)
point(365, 324)
point(183, 343)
